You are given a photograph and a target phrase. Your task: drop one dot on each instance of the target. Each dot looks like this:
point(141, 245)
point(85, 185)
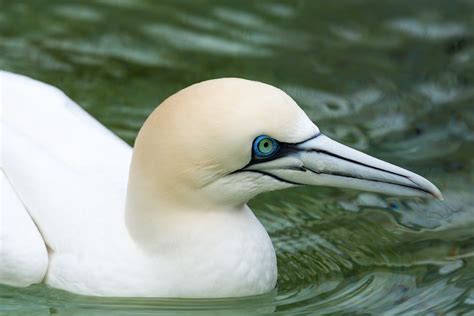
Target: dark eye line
point(283, 149)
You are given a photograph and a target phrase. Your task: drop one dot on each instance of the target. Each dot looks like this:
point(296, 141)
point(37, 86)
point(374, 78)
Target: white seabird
point(181, 227)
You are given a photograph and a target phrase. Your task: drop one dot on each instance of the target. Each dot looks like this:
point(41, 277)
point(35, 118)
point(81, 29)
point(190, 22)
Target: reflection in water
point(394, 79)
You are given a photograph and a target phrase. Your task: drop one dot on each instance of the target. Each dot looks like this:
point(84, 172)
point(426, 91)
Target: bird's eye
point(264, 147)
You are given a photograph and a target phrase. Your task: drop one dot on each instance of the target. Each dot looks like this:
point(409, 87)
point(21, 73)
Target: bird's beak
point(322, 161)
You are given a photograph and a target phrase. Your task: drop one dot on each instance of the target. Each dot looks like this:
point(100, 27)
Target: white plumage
point(69, 173)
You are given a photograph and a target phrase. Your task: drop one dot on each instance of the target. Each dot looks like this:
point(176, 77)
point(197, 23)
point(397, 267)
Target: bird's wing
point(68, 170)
point(23, 255)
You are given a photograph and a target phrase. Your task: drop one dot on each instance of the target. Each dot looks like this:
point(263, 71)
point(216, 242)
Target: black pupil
point(265, 144)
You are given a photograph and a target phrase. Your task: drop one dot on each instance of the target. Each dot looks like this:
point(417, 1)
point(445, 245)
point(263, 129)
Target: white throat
point(204, 252)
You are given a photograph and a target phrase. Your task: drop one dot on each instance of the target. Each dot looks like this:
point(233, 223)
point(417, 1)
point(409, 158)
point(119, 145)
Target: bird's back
point(67, 172)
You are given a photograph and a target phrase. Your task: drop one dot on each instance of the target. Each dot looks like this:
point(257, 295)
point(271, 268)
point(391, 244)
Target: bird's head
point(223, 141)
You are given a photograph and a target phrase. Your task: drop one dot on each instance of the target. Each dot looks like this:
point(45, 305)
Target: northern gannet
point(182, 227)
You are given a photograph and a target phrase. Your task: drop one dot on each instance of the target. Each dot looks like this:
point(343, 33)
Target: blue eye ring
point(264, 147)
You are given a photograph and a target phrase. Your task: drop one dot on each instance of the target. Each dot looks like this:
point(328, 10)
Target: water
point(392, 78)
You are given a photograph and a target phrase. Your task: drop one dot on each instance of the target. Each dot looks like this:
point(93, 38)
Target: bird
point(84, 212)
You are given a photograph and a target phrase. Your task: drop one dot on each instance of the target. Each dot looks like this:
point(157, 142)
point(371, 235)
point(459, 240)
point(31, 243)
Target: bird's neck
point(160, 208)
point(210, 250)
point(154, 220)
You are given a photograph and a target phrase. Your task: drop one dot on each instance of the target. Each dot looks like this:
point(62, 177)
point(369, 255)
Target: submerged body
point(172, 221)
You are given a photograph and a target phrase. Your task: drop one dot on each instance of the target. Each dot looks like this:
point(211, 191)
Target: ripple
point(240, 18)
point(278, 9)
point(78, 12)
point(439, 94)
point(189, 40)
point(451, 267)
point(321, 104)
point(429, 30)
point(113, 46)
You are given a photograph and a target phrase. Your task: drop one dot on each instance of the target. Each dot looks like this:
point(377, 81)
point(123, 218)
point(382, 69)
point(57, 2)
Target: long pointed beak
point(322, 161)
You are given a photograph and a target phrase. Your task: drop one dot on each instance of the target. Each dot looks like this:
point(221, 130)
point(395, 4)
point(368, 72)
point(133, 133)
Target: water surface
point(392, 78)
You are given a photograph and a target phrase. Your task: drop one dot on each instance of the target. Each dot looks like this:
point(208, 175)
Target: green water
point(392, 78)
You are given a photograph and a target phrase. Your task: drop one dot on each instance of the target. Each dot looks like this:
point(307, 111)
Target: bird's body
point(80, 214)
point(70, 174)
